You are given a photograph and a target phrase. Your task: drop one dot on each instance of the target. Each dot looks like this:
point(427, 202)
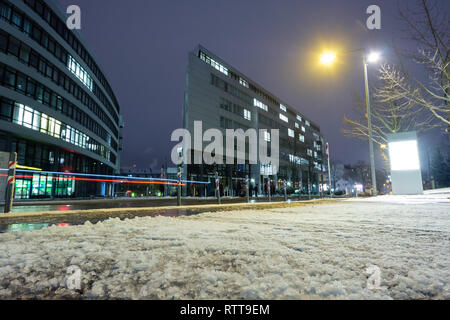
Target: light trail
point(118, 178)
point(105, 180)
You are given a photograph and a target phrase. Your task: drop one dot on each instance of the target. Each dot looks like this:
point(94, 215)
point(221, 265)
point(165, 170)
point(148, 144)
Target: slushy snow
point(311, 252)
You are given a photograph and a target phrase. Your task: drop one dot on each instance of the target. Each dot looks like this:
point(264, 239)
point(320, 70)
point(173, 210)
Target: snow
point(429, 197)
point(311, 252)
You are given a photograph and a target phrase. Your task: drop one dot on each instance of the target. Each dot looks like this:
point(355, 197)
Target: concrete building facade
point(222, 97)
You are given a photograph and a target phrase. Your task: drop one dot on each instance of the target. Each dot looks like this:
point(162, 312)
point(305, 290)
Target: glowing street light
point(373, 57)
point(328, 58)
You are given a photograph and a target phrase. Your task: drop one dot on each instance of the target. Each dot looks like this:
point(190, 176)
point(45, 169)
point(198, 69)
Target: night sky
point(143, 45)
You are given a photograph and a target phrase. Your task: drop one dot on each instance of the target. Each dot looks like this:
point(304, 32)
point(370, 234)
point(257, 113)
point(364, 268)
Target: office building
point(57, 109)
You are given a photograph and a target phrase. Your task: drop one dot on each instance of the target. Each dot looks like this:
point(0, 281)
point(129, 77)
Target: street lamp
point(373, 57)
point(327, 59)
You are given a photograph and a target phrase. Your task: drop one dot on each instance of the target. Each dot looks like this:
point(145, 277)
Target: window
point(303, 129)
point(6, 108)
point(282, 107)
point(21, 83)
point(301, 138)
point(299, 118)
point(284, 118)
point(243, 82)
point(310, 152)
point(297, 125)
point(5, 10)
point(213, 63)
point(3, 41)
point(307, 123)
point(267, 136)
point(17, 19)
point(10, 78)
point(25, 54)
point(79, 72)
point(260, 105)
point(247, 115)
point(13, 46)
point(291, 133)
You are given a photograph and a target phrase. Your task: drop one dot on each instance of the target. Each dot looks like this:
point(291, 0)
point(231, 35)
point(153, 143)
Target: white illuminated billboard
point(404, 155)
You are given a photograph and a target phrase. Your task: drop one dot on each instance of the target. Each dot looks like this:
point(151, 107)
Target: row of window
point(219, 83)
point(213, 63)
point(13, 79)
point(28, 117)
point(80, 73)
point(227, 105)
point(26, 55)
point(260, 105)
point(51, 158)
point(41, 8)
point(298, 160)
point(222, 84)
point(226, 123)
point(236, 109)
point(38, 34)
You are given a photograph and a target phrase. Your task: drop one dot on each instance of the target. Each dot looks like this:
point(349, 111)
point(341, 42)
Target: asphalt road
point(69, 204)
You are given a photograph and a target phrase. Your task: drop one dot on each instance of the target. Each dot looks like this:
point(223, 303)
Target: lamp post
point(327, 59)
point(373, 57)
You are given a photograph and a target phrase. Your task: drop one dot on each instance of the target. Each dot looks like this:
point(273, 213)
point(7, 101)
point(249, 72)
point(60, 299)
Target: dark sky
point(142, 45)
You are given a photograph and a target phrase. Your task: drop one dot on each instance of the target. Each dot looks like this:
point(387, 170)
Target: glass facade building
point(57, 110)
point(222, 97)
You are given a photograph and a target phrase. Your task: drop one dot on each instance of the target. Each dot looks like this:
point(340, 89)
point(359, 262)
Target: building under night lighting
point(222, 97)
point(58, 111)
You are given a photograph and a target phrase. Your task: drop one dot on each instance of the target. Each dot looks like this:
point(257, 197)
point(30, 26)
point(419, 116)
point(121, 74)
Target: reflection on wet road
point(18, 227)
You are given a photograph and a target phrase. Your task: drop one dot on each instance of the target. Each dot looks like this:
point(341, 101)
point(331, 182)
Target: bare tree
point(428, 24)
point(400, 102)
point(395, 115)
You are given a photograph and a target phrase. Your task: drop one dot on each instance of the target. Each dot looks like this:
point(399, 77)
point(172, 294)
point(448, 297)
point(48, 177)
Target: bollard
point(285, 190)
point(9, 197)
point(179, 187)
point(299, 191)
point(217, 188)
point(247, 189)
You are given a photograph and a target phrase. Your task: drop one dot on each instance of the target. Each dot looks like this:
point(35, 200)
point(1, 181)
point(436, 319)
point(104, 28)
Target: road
point(69, 204)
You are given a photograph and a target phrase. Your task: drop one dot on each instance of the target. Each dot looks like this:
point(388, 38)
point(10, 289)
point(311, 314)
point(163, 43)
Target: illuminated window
point(284, 118)
point(247, 115)
point(79, 72)
point(310, 152)
point(243, 82)
point(301, 138)
point(282, 107)
point(297, 125)
point(307, 123)
point(267, 136)
point(213, 63)
point(291, 133)
point(38, 121)
point(260, 105)
point(299, 118)
point(303, 129)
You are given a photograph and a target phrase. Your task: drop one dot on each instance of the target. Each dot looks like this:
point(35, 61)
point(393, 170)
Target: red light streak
point(104, 180)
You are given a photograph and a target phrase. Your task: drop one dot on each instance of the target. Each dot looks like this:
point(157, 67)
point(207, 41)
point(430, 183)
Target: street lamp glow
point(328, 58)
point(373, 57)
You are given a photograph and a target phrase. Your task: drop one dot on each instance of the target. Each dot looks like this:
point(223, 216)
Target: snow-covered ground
point(311, 252)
